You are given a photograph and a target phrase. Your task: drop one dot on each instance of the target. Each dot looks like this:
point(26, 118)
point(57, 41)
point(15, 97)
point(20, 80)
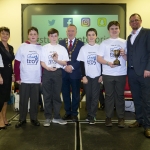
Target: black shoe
point(81, 98)
point(102, 106)
point(8, 124)
point(67, 117)
point(41, 108)
point(91, 120)
point(35, 122)
point(135, 125)
point(87, 118)
point(108, 122)
point(74, 118)
point(1, 128)
point(121, 123)
point(20, 123)
point(147, 133)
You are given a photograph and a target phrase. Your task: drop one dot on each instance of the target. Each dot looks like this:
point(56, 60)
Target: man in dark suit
point(138, 61)
point(71, 74)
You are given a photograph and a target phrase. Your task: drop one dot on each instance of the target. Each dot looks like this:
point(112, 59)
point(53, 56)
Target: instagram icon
point(85, 22)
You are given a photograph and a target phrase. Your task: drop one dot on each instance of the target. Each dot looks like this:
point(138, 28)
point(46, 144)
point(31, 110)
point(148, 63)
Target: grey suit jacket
point(141, 52)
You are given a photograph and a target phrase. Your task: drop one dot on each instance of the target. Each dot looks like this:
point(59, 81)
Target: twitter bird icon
point(51, 22)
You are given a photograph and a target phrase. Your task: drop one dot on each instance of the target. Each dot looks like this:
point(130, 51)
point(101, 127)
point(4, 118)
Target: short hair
point(33, 28)
point(52, 31)
point(4, 29)
point(91, 29)
point(72, 25)
point(135, 15)
point(111, 23)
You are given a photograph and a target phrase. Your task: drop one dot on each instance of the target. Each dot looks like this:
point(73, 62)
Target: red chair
point(127, 92)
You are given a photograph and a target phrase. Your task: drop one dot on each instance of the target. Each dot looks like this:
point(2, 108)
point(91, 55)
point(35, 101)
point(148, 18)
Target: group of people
point(62, 66)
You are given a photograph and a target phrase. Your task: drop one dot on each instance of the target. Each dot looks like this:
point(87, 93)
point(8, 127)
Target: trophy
point(116, 54)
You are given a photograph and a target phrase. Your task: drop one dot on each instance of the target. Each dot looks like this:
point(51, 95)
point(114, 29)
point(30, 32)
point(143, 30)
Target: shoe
point(8, 124)
point(108, 122)
point(134, 125)
point(35, 122)
point(147, 133)
point(102, 106)
point(1, 128)
point(59, 121)
point(121, 123)
point(20, 123)
point(47, 123)
point(74, 118)
point(92, 120)
point(41, 108)
point(81, 98)
point(67, 117)
point(87, 118)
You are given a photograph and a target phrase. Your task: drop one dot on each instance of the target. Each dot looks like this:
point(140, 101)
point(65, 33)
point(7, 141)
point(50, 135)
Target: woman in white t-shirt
point(114, 74)
point(91, 73)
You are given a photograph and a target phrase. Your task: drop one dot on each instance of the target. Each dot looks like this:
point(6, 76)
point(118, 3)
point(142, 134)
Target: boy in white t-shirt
point(91, 73)
point(54, 58)
point(27, 71)
point(114, 76)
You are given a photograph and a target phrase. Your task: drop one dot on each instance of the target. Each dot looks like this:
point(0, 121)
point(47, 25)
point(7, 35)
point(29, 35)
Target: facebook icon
point(67, 21)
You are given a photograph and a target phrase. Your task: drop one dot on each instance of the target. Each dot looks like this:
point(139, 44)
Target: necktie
point(70, 45)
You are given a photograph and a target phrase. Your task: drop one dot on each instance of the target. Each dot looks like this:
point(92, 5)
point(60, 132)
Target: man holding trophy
point(112, 56)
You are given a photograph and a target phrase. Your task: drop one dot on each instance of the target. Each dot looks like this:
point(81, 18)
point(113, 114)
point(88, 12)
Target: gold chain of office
point(74, 46)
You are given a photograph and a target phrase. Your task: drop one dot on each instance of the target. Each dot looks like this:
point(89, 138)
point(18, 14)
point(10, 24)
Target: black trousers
point(51, 85)
point(28, 91)
point(92, 89)
point(140, 88)
point(114, 94)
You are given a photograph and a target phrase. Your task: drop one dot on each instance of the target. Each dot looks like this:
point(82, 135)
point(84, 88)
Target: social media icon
point(67, 21)
point(51, 22)
point(101, 22)
point(85, 22)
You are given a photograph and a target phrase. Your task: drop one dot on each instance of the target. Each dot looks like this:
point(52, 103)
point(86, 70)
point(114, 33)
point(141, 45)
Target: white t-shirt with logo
point(48, 50)
point(106, 50)
point(88, 54)
point(29, 56)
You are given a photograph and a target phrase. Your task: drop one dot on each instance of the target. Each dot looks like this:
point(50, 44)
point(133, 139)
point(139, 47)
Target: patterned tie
point(70, 45)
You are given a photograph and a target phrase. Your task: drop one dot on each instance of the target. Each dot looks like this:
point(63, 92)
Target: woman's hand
point(13, 78)
point(1, 80)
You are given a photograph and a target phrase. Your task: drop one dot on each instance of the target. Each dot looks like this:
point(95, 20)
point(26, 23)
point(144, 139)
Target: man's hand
point(19, 82)
point(146, 73)
point(100, 79)
point(122, 52)
point(51, 69)
point(85, 80)
point(68, 69)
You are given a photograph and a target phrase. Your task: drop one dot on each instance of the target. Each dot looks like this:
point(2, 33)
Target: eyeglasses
point(136, 20)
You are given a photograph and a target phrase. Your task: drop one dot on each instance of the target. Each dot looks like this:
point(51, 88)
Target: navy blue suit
point(138, 56)
point(71, 81)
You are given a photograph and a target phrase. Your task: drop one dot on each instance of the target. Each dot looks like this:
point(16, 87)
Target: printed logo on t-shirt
point(112, 48)
point(50, 60)
point(91, 59)
point(32, 59)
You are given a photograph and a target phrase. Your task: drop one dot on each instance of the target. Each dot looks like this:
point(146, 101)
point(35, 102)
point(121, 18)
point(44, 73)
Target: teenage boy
point(114, 76)
point(54, 58)
point(91, 73)
point(27, 71)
